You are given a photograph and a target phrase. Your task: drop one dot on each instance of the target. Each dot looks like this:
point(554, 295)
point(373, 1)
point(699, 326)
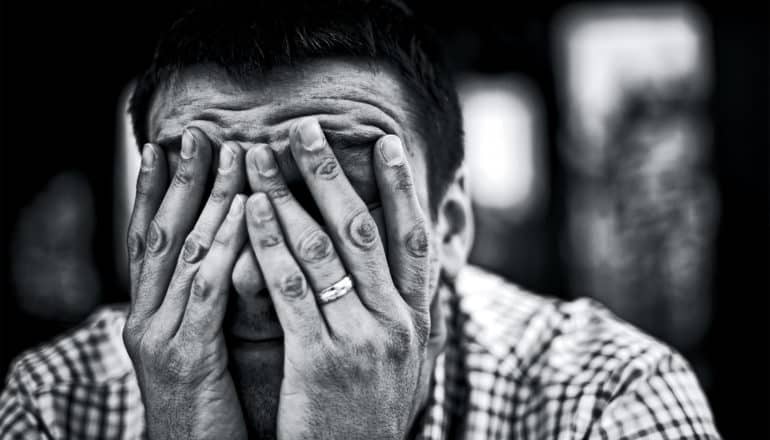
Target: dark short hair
point(248, 38)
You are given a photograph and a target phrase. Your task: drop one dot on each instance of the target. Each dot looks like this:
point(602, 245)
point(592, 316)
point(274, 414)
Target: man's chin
point(257, 371)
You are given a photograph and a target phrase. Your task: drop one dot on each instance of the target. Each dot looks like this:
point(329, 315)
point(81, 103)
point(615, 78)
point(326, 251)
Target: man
point(310, 157)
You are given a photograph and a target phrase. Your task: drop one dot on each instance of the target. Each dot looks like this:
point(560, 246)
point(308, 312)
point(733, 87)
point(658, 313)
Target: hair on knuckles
point(249, 38)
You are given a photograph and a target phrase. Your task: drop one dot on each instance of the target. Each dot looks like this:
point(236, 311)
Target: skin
point(337, 185)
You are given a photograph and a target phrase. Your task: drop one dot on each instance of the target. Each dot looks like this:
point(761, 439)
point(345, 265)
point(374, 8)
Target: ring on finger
point(336, 290)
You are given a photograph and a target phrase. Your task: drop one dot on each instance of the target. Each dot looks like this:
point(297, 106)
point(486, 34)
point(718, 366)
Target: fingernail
point(265, 161)
point(148, 157)
point(189, 144)
point(226, 158)
point(392, 150)
point(236, 207)
point(262, 209)
point(310, 134)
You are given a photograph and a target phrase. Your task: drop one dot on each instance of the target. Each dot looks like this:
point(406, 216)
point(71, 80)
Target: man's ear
point(454, 226)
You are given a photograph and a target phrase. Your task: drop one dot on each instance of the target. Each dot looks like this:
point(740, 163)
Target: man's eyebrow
point(170, 143)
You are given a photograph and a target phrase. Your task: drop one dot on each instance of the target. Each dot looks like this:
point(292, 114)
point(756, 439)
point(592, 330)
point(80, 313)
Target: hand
point(352, 366)
point(173, 333)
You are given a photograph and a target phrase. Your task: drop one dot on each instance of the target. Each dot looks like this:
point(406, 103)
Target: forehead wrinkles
point(338, 94)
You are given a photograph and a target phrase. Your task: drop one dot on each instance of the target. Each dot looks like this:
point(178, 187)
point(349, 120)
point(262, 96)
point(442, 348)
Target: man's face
point(355, 106)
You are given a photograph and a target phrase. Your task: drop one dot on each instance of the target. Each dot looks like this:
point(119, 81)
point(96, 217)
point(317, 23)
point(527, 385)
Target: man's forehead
point(354, 101)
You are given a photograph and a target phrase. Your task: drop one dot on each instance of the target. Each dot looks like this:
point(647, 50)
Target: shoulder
point(75, 383)
point(90, 353)
point(549, 337)
point(575, 365)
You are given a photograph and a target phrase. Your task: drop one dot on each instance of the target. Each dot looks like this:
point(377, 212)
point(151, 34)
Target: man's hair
point(250, 38)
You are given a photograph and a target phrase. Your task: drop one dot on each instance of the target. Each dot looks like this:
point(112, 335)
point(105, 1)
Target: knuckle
point(194, 249)
point(178, 361)
point(183, 176)
point(315, 246)
point(269, 239)
point(131, 338)
point(135, 245)
point(222, 239)
point(362, 231)
point(326, 168)
point(368, 348)
point(293, 285)
point(149, 346)
point(402, 179)
point(278, 193)
point(345, 365)
point(201, 288)
point(416, 240)
point(402, 339)
point(158, 240)
point(220, 193)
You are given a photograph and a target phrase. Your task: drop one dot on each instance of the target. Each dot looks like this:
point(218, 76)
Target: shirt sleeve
point(666, 403)
point(17, 416)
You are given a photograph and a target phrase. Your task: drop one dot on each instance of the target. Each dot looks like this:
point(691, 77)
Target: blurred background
point(617, 150)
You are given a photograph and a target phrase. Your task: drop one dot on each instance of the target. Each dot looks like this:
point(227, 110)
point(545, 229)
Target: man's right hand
point(180, 274)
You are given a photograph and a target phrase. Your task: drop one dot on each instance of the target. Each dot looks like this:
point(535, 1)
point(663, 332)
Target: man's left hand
point(352, 366)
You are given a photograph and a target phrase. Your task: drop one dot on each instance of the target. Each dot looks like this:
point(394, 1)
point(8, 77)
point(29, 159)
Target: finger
point(150, 186)
point(173, 221)
point(408, 243)
point(310, 245)
point(229, 181)
point(349, 223)
point(294, 303)
point(208, 291)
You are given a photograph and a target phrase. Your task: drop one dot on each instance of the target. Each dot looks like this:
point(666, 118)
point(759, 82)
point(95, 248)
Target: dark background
point(65, 65)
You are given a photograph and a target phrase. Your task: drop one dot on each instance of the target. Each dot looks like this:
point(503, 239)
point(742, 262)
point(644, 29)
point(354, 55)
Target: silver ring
point(336, 290)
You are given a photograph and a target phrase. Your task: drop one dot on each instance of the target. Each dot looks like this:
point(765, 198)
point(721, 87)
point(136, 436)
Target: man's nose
point(247, 278)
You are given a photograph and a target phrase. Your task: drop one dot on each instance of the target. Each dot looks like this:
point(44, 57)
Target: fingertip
point(391, 150)
point(250, 158)
point(234, 146)
point(251, 165)
point(149, 182)
point(226, 159)
point(149, 157)
point(195, 143)
point(308, 135)
point(259, 208)
point(296, 129)
point(236, 206)
point(195, 134)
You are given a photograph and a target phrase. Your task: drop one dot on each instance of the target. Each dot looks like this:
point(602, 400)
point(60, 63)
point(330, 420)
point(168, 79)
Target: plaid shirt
point(516, 366)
